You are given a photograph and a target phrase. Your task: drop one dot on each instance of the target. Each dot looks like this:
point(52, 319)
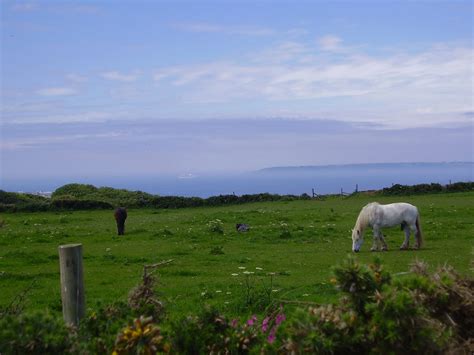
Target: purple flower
point(234, 323)
point(279, 318)
point(271, 337)
point(265, 322)
point(252, 320)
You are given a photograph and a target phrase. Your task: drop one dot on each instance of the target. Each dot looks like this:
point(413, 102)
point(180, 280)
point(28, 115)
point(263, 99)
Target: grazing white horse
point(378, 216)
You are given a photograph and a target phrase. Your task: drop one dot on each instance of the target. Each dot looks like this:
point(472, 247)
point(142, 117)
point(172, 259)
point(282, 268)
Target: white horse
point(378, 216)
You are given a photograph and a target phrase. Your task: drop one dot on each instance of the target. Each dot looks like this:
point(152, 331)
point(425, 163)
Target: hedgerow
point(89, 197)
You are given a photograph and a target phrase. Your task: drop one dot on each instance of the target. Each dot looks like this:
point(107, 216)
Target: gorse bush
point(141, 337)
point(376, 315)
point(36, 333)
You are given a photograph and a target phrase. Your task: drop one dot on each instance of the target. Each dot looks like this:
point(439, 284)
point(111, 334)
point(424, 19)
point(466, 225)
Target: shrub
point(216, 226)
point(284, 231)
point(97, 331)
point(73, 204)
point(36, 333)
point(420, 314)
point(141, 337)
point(460, 186)
point(74, 190)
point(212, 332)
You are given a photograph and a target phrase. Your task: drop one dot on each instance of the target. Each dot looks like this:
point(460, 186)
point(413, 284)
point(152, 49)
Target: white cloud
point(291, 79)
point(47, 117)
point(56, 91)
point(116, 76)
point(329, 42)
point(391, 87)
point(13, 144)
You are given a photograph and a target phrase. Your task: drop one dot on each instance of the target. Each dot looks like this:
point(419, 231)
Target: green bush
point(73, 204)
point(74, 190)
point(97, 331)
point(216, 226)
point(36, 333)
point(421, 314)
point(398, 189)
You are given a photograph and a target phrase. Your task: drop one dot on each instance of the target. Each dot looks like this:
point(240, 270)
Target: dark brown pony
point(120, 215)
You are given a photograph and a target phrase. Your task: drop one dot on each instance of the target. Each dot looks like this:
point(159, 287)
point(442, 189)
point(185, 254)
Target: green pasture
point(299, 241)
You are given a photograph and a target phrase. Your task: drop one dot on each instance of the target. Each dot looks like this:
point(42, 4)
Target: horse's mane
point(364, 216)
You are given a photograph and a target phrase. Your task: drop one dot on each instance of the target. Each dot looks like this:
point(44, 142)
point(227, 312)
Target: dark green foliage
point(74, 190)
point(426, 314)
point(460, 186)
point(74, 204)
point(102, 195)
point(98, 330)
point(85, 197)
point(199, 334)
point(36, 333)
point(13, 202)
point(398, 189)
point(360, 282)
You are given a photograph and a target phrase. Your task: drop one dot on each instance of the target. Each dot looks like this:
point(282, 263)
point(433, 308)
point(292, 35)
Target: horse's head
point(357, 240)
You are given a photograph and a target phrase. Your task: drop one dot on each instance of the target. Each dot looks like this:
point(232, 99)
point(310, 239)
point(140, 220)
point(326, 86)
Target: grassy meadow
point(298, 241)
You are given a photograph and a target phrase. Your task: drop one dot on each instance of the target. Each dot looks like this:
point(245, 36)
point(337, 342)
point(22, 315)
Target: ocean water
point(292, 180)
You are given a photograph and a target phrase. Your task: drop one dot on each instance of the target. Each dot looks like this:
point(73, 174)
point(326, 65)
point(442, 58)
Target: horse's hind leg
point(417, 241)
point(406, 242)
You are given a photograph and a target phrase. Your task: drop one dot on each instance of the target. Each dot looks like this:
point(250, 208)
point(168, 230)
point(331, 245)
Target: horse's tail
point(418, 234)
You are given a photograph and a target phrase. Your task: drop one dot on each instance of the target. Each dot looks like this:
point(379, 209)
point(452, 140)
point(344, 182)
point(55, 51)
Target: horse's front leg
point(376, 239)
point(382, 241)
point(406, 242)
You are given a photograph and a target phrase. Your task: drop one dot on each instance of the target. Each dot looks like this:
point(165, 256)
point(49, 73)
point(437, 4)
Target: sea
point(329, 179)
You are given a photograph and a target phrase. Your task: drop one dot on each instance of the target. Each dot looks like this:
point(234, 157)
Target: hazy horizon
point(281, 180)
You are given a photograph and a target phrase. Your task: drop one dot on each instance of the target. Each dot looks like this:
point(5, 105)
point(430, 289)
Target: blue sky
point(160, 87)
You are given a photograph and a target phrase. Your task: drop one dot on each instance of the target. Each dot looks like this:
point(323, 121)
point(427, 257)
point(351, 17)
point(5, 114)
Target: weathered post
point(72, 283)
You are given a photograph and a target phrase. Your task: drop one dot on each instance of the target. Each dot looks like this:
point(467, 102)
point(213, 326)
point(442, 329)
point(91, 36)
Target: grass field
point(300, 241)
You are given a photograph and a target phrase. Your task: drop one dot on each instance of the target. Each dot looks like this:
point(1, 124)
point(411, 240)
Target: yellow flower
point(135, 334)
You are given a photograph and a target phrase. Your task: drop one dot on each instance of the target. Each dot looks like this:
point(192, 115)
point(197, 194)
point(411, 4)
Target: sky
point(117, 88)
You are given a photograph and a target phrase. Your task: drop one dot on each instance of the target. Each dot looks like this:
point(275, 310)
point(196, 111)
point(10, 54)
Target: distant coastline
point(365, 165)
point(323, 179)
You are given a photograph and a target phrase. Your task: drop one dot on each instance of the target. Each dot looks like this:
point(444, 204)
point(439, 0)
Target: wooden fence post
point(72, 283)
